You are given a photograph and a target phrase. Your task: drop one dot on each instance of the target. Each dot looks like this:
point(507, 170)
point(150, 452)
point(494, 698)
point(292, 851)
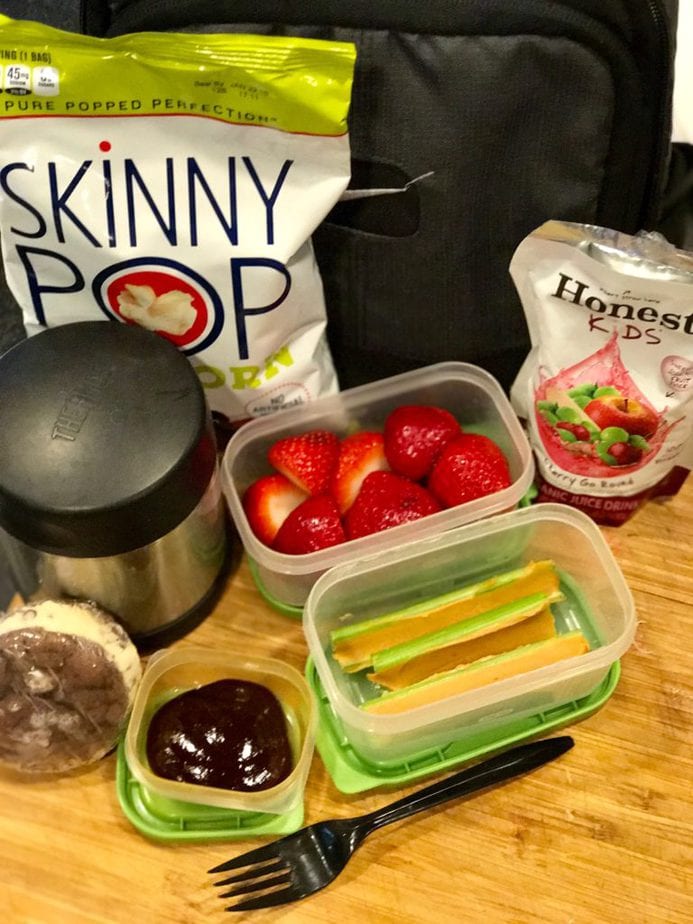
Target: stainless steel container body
point(148, 589)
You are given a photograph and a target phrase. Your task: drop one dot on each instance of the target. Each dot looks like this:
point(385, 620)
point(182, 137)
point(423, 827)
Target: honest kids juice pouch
point(174, 181)
point(606, 389)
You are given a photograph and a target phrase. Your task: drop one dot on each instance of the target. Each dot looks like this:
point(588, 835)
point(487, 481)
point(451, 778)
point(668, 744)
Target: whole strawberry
point(471, 466)
point(359, 455)
point(387, 500)
point(268, 502)
point(308, 459)
point(414, 435)
point(314, 524)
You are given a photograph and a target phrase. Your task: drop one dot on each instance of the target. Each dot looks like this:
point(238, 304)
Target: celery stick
point(479, 673)
point(490, 621)
point(416, 609)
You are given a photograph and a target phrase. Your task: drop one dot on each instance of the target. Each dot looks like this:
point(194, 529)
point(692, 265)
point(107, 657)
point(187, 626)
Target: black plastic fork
point(305, 862)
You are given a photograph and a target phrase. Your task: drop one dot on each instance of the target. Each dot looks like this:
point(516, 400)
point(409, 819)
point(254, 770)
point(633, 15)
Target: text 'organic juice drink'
point(605, 389)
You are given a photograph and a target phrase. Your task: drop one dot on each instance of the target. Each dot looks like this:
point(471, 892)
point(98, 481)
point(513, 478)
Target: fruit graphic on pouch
point(617, 410)
point(599, 422)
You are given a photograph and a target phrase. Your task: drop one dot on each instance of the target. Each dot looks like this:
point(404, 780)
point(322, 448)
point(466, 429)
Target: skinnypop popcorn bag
point(174, 181)
point(606, 389)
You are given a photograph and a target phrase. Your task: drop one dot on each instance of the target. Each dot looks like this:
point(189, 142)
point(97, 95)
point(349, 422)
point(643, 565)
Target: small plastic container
point(173, 671)
point(472, 395)
point(597, 601)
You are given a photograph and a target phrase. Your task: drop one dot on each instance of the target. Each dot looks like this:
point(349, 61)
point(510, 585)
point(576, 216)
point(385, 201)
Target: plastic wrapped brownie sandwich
point(68, 674)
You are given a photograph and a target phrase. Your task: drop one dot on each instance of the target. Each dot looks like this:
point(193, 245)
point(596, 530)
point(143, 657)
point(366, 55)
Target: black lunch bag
point(512, 113)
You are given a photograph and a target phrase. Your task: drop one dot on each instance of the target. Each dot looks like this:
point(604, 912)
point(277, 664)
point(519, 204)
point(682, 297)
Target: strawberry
point(386, 500)
point(308, 459)
point(470, 466)
point(359, 455)
point(415, 434)
point(268, 502)
point(313, 525)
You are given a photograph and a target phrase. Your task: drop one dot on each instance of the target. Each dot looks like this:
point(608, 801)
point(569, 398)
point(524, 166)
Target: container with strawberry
point(371, 469)
point(325, 490)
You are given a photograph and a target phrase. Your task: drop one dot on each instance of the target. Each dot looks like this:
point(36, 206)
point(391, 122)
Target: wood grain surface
point(605, 834)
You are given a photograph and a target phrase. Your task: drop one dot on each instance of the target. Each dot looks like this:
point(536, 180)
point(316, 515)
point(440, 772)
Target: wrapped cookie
point(68, 675)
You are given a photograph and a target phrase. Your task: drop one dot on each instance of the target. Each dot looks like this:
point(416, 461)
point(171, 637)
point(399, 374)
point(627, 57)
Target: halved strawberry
point(307, 459)
point(268, 502)
point(470, 466)
point(386, 500)
point(314, 524)
point(414, 436)
point(359, 455)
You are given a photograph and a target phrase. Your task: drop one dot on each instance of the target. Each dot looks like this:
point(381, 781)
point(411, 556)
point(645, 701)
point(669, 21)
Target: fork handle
point(488, 773)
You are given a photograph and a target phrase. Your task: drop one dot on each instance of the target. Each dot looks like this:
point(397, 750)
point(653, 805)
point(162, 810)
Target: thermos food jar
point(108, 476)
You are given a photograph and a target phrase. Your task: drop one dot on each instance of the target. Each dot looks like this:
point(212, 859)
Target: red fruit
point(580, 432)
point(268, 502)
point(386, 500)
point(625, 453)
point(314, 524)
point(308, 460)
point(359, 455)
point(470, 466)
point(624, 412)
point(415, 434)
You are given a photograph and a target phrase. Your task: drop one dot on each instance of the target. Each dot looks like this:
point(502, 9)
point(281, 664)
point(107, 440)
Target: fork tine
point(253, 873)
point(257, 886)
point(266, 852)
point(268, 901)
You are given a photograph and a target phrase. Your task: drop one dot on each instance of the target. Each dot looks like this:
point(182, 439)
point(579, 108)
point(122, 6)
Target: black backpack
point(519, 112)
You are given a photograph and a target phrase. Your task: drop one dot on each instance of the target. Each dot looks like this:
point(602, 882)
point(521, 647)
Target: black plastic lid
point(106, 441)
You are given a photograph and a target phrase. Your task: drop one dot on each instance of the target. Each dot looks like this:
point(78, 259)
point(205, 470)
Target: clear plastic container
point(471, 394)
point(351, 772)
point(597, 601)
point(173, 671)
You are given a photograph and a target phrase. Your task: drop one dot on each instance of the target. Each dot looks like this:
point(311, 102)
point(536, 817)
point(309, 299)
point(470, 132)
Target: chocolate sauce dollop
point(230, 734)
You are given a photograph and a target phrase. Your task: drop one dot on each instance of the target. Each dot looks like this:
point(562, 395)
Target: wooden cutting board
point(603, 835)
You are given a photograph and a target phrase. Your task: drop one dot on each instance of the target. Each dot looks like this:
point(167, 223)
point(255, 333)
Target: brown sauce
point(230, 734)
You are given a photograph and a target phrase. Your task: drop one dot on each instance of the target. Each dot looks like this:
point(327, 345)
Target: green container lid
point(351, 773)
point(294, 612)
point(172, 820)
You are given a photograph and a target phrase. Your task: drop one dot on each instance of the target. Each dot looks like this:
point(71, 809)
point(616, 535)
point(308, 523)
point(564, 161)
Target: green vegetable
point(499, 618)
point(478, 673)
point(425, 606)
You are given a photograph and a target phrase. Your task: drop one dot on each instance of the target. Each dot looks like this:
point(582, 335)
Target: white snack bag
point(606, 390)
point(174, 181)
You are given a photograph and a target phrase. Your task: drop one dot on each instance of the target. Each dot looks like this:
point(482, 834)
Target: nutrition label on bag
point(21, 80)
point(16, 78)
point(45, 81)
